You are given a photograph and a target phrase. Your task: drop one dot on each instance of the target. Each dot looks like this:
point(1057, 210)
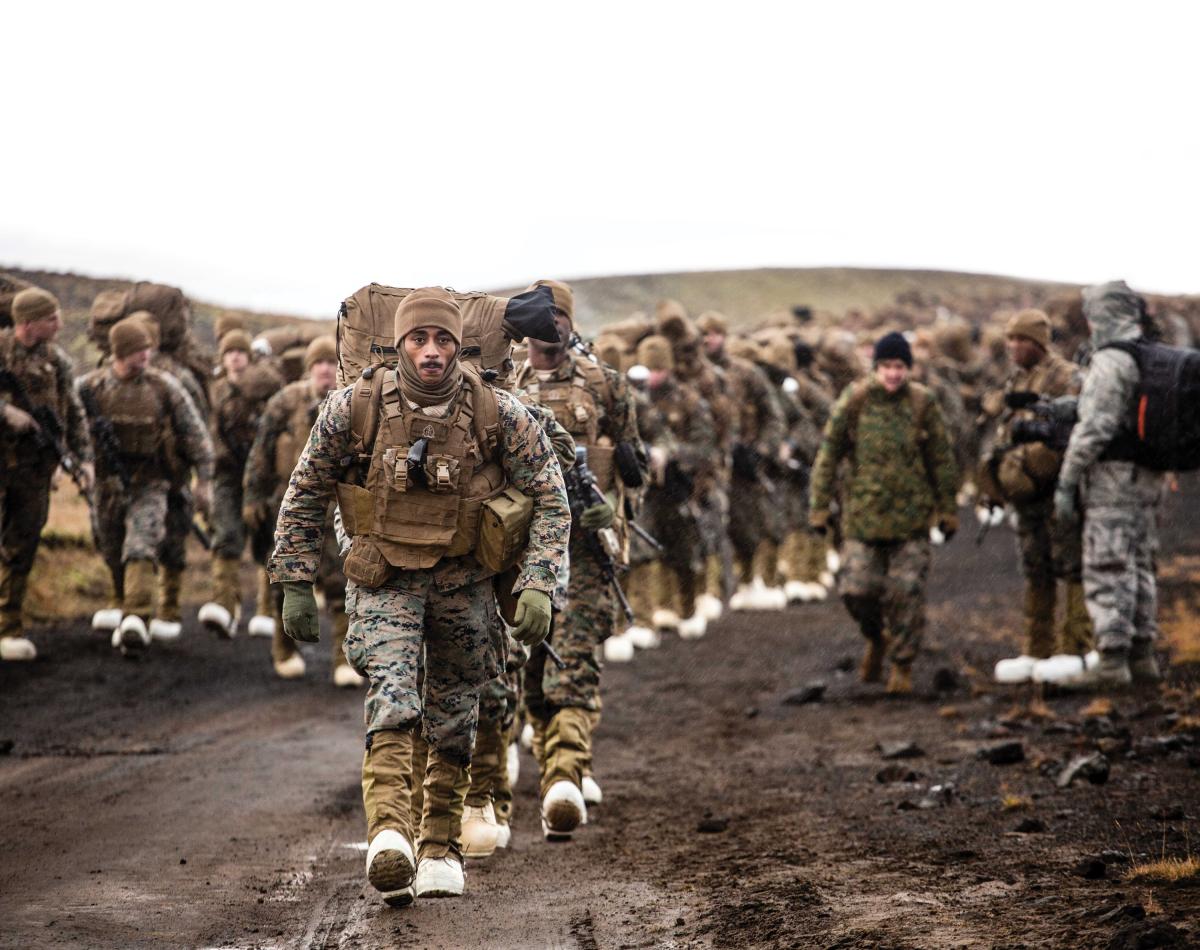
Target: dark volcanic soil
point(192, 800)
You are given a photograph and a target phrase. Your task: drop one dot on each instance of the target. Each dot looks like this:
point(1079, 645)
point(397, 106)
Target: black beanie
point(893, 346)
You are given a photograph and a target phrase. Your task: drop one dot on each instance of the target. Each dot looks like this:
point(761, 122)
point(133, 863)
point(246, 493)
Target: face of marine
point(891, 374)
point(235, 363)
point(1024, 352)
point(40, 331)
point(543, 355)
point(323, 375)
point(431, 351)
point(127, 367)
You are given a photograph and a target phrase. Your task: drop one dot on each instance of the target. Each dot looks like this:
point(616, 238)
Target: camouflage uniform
point(1049, 550)
point(754, 513)
point(283, 430)
point(677, 420)
point(1120, 498)
point(236, 410)
point(447, 610)
point(591, 605)
point(129, 518)
point(44, 373)
point(902, 480)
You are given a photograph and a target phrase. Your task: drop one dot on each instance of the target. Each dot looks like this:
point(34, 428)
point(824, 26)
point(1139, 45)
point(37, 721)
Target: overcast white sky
point(264, 155)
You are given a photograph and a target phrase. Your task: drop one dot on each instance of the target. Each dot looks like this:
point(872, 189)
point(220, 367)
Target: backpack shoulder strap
point(364, 411)
point(485, 411)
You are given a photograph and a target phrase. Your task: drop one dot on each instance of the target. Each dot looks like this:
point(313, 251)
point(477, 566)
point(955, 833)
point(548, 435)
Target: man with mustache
point(414, 454)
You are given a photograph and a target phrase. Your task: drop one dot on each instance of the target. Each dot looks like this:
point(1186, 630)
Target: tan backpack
point(366, 328)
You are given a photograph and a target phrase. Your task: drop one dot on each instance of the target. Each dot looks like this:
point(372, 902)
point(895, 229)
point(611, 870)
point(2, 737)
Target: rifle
point(104, 437)
point(582, 493)
point(48, 431)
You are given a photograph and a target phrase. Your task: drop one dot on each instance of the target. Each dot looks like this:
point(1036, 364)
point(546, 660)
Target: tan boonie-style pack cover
point(397, 523)
point(366, 327)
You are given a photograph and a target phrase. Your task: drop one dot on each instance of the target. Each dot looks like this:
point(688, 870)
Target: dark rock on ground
point(1144, 935)
point(896, 773)
point(1092, 868)
point(1031, 826)
point(712, 826)
point(905, 749)
point(1092, 767)
point(812, 692)
point(1003, 753)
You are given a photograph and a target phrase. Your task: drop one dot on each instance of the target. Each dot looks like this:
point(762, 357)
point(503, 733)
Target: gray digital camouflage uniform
point(1119, 498)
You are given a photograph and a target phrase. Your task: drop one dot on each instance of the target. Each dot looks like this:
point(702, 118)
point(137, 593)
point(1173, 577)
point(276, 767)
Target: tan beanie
point(564, 296)
point(712, 322)
point(32, 304)
point(322, 348)
point(429, 307)
point(227, 323)
point(654, 352)
point(1032, 325)
point(150, 322)
point(237, 339)
point(129, 336)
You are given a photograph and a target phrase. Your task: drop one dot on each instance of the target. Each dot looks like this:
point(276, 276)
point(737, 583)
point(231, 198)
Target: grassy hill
point(746, 296)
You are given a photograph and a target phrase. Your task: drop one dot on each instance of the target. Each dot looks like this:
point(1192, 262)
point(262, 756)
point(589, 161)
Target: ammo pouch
point(365, 564)
point(600, 461)
point(504, 523)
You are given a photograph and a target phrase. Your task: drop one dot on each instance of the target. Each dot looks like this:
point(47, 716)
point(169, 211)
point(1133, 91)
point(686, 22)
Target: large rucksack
point(366, 327)
point(1164, 431)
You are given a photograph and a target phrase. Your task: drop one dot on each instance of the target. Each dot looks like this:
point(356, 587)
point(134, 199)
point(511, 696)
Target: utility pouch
point(503, 529)
point(442, 473)
point(357, 507)
point(366, 565)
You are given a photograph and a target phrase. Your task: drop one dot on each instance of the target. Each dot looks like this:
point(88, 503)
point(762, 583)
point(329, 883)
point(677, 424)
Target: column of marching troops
point(707, 470)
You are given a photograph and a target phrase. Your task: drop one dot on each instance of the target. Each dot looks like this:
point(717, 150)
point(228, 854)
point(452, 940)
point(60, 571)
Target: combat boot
point(871, 668)
point(262, 624)
point(391, 863)
point(132, 637)
point(566, 753)
point(440, 870)
point(1111, 673)
point(1143, 664)
point(900, 680)
point(167, 624)
point(1077, 625)
point(222, 613)
point(1038, 611)
point(14, 645)
point(619, 648)
point(480, 830)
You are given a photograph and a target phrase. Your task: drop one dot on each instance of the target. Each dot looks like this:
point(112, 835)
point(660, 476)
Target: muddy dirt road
point(192, 800)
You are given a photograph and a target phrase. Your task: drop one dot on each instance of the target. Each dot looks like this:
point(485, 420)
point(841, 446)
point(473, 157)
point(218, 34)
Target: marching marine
point(450, 474)
point(593, 403)
point(902, 481)
point(40, 417)
point(148, 436)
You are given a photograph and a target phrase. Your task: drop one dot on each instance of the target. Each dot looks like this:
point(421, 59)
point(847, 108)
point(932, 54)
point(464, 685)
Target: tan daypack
point(170, 309)
point(366, 328)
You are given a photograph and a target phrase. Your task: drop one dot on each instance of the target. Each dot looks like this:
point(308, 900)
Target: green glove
point(300, 612)
point(532, 617)
point(598, 516)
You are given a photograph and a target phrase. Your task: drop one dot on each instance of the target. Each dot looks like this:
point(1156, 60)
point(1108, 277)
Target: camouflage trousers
point(713, 523)
point(24, 507)
point(1120, 545)
point(1049, 551)
point(129, 524)
point(181, 507)
point(228, 529)
point(578, 632)
point(392, 624)
point(882, 584)
point(754, 517)
point(1119, 585)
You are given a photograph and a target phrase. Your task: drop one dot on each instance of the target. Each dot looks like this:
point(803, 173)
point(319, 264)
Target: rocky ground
point(192, 800)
